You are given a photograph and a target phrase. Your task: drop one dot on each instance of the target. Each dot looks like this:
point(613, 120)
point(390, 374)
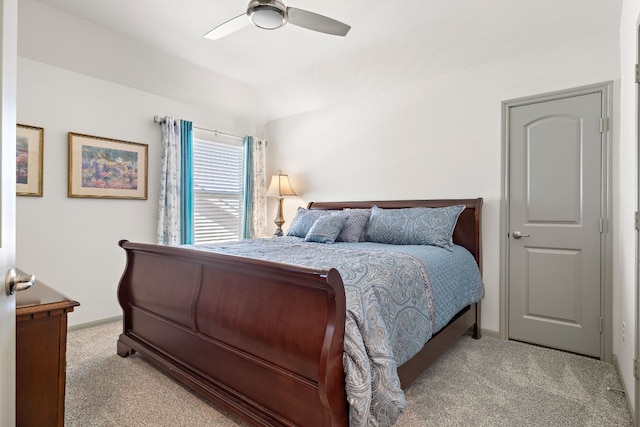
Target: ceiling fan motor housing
point(267, 14)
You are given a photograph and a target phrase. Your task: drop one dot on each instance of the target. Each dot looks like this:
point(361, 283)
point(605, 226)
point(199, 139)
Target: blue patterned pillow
point(303, 221)
point(413, 226)
point(326, 229)
point(353, 230)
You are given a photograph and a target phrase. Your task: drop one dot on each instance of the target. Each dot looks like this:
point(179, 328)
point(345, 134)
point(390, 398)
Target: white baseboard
point(95, 323)
point(489, 333)
point(614, 359)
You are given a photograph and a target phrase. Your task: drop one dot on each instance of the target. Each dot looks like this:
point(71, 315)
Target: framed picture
point(107, 168)
point(29, 154)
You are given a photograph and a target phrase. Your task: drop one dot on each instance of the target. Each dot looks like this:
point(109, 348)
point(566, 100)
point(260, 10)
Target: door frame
point(606, 247)
point(8, 79)
point(636, 379)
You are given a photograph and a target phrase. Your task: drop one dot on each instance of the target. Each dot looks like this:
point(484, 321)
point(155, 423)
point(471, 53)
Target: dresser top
point(41, 297)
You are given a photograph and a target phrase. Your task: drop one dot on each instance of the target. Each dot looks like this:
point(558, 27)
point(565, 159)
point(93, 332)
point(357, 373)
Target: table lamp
point(280, 188)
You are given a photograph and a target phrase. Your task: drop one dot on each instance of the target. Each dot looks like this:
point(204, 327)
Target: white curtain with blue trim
point(259, 199)
point(168, 232)
point(176, 201)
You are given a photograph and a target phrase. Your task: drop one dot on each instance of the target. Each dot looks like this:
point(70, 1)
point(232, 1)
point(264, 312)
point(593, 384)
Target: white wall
point(625, 200)
point(47, 35)
point(71, 244)
point(437, 138)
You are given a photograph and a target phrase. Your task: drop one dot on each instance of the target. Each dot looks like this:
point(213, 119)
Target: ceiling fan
point(273, 14)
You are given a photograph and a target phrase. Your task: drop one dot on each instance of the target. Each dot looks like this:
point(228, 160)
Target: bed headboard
point(467, 231)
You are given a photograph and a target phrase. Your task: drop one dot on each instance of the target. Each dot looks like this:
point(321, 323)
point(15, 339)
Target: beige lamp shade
point(280, 186)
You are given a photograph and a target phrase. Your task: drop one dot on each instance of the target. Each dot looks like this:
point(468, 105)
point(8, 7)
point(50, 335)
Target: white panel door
point(555, 194)
point(8, 64)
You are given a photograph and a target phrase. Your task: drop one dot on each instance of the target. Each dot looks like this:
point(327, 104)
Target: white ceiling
point(388, 40)
point(251, 55)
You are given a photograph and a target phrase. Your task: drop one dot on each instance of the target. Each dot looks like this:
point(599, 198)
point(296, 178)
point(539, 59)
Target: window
point(218, 187)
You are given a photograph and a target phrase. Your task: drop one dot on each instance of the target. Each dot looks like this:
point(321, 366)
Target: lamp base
point(279, 221)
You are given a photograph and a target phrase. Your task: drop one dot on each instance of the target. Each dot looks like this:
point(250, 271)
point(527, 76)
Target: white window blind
point(218, 187)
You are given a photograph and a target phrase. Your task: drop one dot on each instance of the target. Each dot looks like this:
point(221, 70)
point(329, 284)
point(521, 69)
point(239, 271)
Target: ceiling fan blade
point(231, 26)
point(315, 22)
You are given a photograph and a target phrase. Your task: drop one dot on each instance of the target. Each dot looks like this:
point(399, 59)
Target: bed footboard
point(261, 339)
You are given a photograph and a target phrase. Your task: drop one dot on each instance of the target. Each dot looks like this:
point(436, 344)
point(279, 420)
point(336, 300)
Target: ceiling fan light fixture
point(273, 14)
point(267, 15)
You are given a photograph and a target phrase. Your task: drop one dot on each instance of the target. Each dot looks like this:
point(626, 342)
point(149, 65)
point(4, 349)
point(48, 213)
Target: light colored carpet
point(486, 382)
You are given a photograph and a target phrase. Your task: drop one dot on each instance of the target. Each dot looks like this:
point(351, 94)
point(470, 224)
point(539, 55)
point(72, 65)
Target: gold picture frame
point(107, 168)
point(29, 160)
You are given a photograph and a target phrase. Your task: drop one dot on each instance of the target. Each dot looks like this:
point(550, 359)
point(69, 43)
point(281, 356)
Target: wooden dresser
point(41, 345)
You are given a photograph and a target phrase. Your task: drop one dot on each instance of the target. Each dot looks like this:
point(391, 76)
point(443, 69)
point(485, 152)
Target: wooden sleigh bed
point(261, 339)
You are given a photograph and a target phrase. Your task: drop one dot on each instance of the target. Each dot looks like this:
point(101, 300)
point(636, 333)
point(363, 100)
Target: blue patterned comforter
point(393, 307)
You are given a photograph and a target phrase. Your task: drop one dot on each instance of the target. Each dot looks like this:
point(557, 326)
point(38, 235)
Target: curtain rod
point(158, 119)
point(217, 132)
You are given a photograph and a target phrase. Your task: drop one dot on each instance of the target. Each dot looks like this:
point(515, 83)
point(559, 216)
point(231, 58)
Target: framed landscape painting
point(107, 168)
point(29, 155)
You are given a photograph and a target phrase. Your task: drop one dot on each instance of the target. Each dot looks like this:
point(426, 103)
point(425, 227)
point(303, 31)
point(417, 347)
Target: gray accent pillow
point(353, 230)
point(413, 226)
point(326, 229)
point(304, 219)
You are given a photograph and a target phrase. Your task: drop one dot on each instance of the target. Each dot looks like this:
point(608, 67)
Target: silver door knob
point(13, 281)
point(518, 235)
